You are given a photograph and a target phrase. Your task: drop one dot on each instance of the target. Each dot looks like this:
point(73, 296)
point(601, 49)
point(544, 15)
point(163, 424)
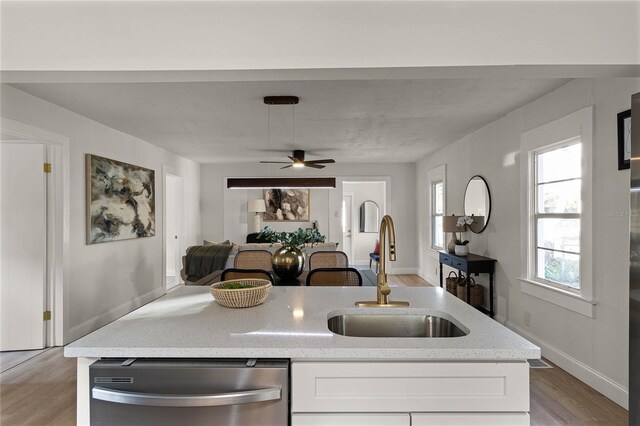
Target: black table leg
point(469, 288)
point(440, 274)
point(491, 295)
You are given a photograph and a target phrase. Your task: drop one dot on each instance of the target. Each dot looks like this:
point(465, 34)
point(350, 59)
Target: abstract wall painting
point(291, 205)
point(120, 200)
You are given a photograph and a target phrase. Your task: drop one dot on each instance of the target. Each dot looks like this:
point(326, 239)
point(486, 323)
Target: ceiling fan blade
point(285, 167)
point(292, 158)
point(326, 161)
point(315, 166)
point(274, 162)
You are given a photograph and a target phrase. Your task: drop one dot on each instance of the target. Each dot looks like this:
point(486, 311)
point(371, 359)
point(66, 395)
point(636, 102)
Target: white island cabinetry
point(421, 393)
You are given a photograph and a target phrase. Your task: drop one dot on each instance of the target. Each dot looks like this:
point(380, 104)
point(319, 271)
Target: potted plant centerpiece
point(288, 260)
point(461, 247)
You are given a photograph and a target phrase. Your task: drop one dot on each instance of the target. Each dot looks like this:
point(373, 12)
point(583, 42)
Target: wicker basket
point(241, 297)
point(477, 293)
point(452, 282)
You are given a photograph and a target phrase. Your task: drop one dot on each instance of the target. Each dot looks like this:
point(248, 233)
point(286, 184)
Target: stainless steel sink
point(393, 325)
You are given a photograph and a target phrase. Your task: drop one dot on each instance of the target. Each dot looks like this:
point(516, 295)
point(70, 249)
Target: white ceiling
point(351, 121)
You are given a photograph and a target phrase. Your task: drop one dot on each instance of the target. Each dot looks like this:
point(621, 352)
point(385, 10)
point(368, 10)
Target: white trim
point(578, 124)
point(568, 300)
point(96, 322)
point(59, 219)
point(598, 381)
point(351, 254)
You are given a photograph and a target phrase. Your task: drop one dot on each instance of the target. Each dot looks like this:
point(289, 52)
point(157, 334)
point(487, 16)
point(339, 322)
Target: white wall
point(594, 349)
point(224, 211)
point(153, 35)
point(364, 242)
point(107, 280)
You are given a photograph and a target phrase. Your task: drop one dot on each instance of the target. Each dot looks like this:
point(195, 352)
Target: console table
point(471, 264)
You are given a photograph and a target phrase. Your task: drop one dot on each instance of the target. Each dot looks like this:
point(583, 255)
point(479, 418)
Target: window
point(556, 212)
point(557, 181)
point(436, 208)
point(437, 212)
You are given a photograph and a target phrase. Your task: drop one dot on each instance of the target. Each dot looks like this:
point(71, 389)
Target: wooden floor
point(407, 280)
point(558, 398)
point(42, 391)
point(10, 359)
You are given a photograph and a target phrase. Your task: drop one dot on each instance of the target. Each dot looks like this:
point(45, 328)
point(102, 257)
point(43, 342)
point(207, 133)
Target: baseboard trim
point(598, 381)
point(94, 323)
point(403, 271)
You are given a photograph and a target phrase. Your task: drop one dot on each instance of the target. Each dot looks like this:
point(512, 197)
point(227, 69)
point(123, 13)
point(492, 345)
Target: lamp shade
point(450, 224)
point(256, 206)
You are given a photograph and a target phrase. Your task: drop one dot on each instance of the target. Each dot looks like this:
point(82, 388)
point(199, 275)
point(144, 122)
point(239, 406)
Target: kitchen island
point(336, 378)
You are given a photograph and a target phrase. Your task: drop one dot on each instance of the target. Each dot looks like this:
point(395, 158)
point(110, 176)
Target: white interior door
point(347, 225)
point(173, 234)
point(23, 245)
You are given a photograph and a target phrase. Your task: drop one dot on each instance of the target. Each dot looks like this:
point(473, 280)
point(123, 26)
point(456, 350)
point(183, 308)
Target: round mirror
point(477, 203)
point(369, 216)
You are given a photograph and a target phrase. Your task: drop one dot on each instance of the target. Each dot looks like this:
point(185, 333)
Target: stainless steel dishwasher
point(189, 392)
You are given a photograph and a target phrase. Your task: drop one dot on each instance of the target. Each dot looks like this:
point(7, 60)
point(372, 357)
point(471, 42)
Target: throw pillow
point(377, 249)
point(210, 243)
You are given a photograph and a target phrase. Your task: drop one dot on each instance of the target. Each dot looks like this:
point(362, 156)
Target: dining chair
point(328, 259)
point(238, 274)
point(253, 259)
point(334, 277)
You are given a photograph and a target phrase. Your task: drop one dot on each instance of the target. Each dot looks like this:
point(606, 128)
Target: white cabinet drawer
point(350, 419)
point(409, 387)
point(470, 419)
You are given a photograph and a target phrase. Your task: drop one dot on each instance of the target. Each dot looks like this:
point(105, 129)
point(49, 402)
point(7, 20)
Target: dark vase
point(288, 262)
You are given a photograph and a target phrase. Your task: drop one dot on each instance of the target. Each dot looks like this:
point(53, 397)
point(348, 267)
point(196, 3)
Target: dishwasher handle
point(177, 400)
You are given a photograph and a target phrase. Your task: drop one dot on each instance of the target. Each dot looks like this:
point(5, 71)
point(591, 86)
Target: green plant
point(235, 286)
point(459, 242)
point(296, 239)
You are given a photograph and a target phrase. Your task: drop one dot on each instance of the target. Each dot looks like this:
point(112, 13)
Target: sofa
point(215, 276)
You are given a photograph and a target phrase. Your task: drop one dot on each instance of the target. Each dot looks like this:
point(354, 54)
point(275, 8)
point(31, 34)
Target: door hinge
point(47, 167)
point(46, 315)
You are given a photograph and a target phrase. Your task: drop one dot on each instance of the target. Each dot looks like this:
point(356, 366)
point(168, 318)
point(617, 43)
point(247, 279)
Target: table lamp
point(450, 224)
point(257, 207)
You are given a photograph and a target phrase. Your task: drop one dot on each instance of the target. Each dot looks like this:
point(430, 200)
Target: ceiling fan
point(297, 160)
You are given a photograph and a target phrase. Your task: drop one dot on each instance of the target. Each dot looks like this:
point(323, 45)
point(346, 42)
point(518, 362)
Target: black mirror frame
point(363, 217)
point(486, 222)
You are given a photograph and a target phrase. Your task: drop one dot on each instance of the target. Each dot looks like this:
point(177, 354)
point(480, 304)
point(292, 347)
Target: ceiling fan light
point(298, 165)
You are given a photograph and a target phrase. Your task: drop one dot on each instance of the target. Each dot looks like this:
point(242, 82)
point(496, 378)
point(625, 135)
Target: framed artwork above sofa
point(286, 205)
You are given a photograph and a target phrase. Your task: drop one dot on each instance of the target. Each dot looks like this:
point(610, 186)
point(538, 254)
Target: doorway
point(363, 239)
point(48, 219)
point(173, 202)
point(23, 245)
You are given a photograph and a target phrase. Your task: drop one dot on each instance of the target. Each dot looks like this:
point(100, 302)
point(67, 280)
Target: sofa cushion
point(270, 247)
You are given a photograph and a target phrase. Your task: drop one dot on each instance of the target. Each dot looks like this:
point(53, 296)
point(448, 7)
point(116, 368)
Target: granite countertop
point(292, 323)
